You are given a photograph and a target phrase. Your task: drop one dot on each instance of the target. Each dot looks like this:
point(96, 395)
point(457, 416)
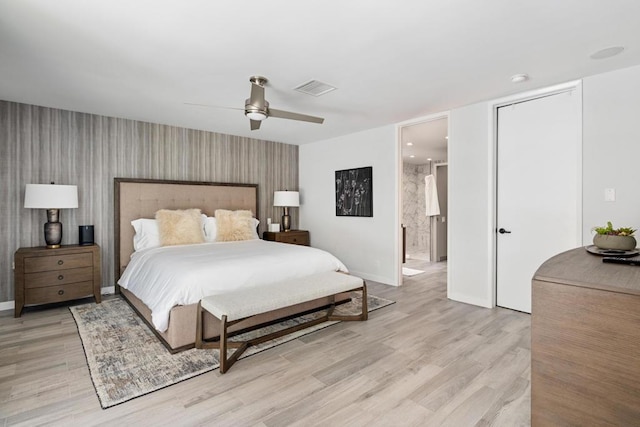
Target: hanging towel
point(431, 195)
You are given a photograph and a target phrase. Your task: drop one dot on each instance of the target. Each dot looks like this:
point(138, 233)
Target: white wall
point(611, 159)
point(611, 155)
point(367, 246)
point(470, 206)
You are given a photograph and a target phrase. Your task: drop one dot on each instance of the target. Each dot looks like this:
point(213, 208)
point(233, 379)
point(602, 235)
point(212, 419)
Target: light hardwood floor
point(424, 361)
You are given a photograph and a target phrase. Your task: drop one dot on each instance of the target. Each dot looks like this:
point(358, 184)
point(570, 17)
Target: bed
point(141, 198)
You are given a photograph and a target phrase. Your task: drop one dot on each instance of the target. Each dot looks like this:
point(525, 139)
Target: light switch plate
point(609, 194)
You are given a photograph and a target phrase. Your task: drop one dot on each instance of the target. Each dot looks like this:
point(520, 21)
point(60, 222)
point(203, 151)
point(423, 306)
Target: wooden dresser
point(585, 342)
point(45, 275)
point(296, 237)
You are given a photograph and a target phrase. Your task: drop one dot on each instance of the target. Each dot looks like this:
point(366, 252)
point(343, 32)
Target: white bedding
point(180, 275)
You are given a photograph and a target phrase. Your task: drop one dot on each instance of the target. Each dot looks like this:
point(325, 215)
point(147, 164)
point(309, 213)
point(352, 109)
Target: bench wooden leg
point(365, 303)
point(223, 345)
point(364, 314)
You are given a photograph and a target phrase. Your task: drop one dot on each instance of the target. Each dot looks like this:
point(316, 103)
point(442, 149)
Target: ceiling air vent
point(315, 88)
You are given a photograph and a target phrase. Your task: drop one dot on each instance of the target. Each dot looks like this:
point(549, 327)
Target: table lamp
point(286, 199)
point(51, 197)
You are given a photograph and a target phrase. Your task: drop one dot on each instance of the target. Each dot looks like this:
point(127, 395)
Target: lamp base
point(286, 223)
point(286, 220)
point(53, 229)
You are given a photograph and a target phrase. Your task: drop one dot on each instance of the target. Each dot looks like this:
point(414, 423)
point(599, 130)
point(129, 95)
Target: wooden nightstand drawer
point(58, 293)
point(296, 237)
point(57, 262)
point(60, 277)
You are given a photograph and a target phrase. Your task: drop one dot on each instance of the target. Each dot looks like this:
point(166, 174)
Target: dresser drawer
point(58, 293)
point(57, 262)
point(59, 277)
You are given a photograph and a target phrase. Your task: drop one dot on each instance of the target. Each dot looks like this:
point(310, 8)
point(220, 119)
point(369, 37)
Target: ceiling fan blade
point(257, 95)
point(255, 124)
point(212, 106)
point(294, 116)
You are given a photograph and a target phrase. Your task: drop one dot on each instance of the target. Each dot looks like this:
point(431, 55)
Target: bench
point(236, 306)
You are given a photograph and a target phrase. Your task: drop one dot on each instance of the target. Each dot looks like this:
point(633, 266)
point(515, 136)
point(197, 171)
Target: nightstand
point(45, 275)
point(296, 237)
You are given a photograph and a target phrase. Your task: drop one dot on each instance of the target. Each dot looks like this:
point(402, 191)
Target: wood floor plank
point(424, 360)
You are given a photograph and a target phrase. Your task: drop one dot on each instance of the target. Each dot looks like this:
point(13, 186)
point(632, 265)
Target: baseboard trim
point(7, 305)
point(373, 277)
point(469, 300)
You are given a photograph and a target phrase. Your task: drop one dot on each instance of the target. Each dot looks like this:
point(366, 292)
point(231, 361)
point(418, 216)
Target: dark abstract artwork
point(354, 192)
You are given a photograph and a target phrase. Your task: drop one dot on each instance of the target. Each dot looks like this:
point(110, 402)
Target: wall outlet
point(13, 265)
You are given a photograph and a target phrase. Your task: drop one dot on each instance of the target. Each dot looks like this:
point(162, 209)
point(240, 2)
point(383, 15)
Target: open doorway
point(424, 193)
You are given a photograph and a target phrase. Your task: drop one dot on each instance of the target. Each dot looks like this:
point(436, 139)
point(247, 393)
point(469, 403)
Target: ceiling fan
point(257, 109)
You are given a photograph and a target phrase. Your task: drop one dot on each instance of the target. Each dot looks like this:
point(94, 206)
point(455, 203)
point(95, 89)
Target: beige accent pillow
point(180, 227)
point(233, 225)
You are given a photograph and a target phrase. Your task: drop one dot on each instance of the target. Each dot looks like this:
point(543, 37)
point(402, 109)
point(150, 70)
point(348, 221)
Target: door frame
point(433, 221)
point(575, 86)
point(399, 189)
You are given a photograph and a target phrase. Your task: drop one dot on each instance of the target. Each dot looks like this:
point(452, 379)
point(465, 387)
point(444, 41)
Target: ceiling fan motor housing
point(256, 109)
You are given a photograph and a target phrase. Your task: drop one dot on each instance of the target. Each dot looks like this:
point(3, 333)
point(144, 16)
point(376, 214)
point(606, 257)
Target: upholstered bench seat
point(233, 307)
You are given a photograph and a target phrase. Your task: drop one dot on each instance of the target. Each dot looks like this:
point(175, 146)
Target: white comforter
point(180, 275)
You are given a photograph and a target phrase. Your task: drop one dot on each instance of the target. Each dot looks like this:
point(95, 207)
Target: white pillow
point(254, 230)
point(147, 234)
point(211, 229)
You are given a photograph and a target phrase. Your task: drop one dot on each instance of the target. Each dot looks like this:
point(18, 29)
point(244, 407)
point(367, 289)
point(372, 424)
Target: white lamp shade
point(51, 196)
point(286, 198)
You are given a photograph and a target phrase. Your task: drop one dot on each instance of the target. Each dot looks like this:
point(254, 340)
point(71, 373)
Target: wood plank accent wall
point(40, 145)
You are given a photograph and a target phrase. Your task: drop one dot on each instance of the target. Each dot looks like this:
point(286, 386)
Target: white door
point(538, 190)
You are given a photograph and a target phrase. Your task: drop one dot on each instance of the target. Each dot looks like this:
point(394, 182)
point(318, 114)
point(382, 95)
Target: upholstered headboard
point(141, 198)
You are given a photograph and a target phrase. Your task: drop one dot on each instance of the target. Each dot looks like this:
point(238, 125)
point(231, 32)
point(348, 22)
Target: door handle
point(503, 231)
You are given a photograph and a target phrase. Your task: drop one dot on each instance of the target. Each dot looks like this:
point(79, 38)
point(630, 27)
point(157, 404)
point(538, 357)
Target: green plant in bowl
point(614, 238)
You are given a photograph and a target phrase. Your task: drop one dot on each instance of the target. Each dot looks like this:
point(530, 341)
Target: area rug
point(126, 360)
point(410, 271)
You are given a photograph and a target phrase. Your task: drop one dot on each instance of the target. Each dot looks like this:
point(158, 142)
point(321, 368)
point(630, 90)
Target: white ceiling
point(391, 60)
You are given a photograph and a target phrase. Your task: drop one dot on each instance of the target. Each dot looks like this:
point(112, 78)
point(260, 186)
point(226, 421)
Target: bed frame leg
point(199, 330)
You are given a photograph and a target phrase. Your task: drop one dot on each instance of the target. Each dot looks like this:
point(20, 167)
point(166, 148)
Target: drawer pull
point(60, 277)
point(295, 240)
point(61, 292)
point(60, 262)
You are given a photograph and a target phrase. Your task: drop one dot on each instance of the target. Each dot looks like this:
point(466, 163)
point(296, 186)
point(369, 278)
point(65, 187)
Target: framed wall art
point(354, 192)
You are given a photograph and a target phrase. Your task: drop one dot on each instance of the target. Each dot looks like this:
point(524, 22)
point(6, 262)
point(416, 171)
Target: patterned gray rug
point(126, 360)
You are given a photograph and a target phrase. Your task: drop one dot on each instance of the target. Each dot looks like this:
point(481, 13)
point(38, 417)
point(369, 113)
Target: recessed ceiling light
point(409, 144)
point(519, 78)
point(412, 156)
point(607, 53)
